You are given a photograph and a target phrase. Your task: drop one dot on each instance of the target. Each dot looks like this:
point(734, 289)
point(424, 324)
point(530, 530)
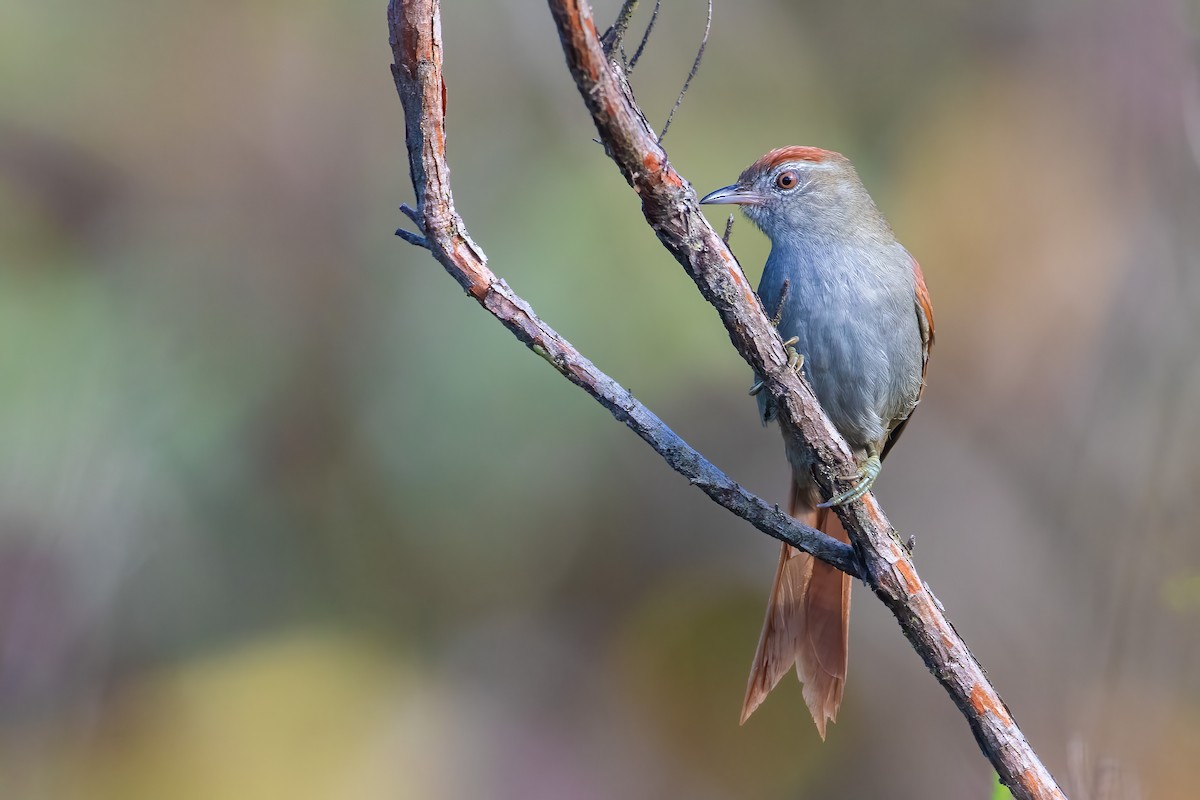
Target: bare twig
point(784, 291)
point(671, 208)
point(409, 236)
point(413, 238)
point(645, 38)
point(415, 28)
point(614, 37)
point(414, 215)
point(728, 230)
point(691, 74)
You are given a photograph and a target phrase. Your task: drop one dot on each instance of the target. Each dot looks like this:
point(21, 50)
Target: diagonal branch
point(670, 207)
point(415, 27)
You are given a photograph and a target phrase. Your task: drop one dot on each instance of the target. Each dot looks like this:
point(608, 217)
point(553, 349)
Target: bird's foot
point(864, 478)
point(795, 362)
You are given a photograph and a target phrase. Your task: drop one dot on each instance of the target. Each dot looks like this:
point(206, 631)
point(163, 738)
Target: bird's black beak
point(733, 195)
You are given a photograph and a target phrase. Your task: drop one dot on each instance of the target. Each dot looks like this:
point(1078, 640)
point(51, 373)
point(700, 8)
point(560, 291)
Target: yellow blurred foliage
point(299, 716)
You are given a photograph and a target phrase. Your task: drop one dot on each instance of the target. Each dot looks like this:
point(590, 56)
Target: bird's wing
point(924, 309)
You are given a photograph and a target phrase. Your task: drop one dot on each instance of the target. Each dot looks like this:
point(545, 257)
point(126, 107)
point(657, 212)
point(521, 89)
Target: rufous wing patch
point(924, 318)
point(923, 307)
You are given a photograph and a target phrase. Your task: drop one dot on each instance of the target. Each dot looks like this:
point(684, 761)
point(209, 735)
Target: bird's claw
point(795, 360)
point(795, 363)
point(864, 479)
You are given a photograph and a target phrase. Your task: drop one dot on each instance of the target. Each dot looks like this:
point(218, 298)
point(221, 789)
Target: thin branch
point(784, 291)
point(415, 27)
point(413, 238)
point(645, 38)
point(413, 214)
point(691, 74)
point(614, 37)
point(671, 208)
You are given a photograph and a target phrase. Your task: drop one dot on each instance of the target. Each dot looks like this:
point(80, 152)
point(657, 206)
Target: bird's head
point(799, 191)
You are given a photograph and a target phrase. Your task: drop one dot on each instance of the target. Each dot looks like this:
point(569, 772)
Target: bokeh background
point(282, 514)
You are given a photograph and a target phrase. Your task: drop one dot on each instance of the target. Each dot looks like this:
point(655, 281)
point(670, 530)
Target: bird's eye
point(787, 179)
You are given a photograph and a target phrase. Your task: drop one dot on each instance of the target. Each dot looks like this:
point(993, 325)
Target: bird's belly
point(863, 364)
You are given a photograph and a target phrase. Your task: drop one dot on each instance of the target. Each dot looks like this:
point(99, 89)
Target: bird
point(853, 303)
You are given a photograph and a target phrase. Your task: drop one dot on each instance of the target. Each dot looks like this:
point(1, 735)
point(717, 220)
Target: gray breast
point(854, 313)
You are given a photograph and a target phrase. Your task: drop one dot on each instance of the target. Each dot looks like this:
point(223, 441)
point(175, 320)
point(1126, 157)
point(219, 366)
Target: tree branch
point(614, 37)
point(415, 28)
point(670, 206)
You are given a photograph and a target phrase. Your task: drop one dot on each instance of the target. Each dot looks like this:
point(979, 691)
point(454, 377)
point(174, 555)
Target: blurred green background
point(283, 514)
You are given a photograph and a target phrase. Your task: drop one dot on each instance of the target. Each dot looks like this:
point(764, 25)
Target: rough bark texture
point(670, 206)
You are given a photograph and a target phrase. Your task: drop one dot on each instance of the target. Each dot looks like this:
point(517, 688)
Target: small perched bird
point(854, 304)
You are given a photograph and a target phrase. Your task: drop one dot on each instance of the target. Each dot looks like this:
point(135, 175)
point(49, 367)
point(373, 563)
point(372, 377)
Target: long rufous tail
point(807, 624)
